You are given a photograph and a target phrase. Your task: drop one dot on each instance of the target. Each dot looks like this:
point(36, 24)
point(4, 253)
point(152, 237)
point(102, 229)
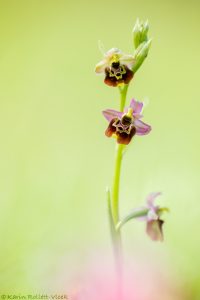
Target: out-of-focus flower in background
point(150, 213)
point(154, 223)
point(152, 218)
point(124, 125)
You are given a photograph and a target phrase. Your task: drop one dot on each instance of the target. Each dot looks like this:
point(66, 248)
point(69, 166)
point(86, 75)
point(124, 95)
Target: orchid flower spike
point(117, 67)
point(124, 125)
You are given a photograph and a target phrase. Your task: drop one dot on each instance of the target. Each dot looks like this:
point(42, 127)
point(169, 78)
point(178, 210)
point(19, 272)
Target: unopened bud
point(140, 31)
point(140, 54)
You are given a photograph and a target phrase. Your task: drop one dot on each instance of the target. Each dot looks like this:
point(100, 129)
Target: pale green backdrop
point(55, 161)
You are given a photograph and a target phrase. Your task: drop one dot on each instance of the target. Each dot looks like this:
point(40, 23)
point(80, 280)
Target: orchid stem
point(118, 161)
point(116, 182)
point(113, 203)
point(123, 93)
point(116, 179)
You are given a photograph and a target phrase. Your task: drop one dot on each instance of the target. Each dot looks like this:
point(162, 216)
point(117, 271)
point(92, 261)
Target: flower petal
point(141, 127)
point(101, 66)
point(154, 230)
point(136, 106)
point(110, 114)
point(151, 198)
point(113, 51)
point(111, 129)
point(127, 60)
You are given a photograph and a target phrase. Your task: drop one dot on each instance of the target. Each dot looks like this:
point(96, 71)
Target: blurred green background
point(55, 161)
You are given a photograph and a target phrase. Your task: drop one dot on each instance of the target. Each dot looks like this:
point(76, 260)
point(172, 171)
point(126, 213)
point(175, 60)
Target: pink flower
point(153, 222)
point(124, 125)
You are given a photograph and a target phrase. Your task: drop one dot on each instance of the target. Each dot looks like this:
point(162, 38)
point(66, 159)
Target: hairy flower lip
point(124, 125)
point(123, 76)
point(123, 133)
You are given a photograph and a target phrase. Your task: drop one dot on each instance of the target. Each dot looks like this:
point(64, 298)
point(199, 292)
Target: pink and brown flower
point(153, 221)
point(124, 125)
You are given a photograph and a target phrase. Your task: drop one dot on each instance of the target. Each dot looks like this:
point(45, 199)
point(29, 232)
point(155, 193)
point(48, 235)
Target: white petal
point(100, 67)
point(113, 51)
point(128, 60)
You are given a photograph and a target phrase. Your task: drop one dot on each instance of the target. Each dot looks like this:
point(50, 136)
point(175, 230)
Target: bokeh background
point(55, 161)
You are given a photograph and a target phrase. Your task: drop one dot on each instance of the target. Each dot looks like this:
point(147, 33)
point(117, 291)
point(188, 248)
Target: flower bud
point(140, 31)
point(140, 54)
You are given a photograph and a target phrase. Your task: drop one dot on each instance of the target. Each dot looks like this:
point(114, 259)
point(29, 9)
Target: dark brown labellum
point(117, 74)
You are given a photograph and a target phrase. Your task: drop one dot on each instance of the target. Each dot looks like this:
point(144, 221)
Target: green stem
point(111, 223)
point(117, 171)
point(114, 203)
point(116, 182)
point(132, 215)
point(123, 93)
